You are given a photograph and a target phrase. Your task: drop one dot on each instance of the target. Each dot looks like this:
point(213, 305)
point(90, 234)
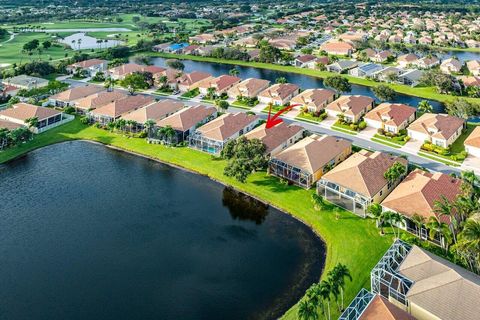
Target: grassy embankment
point(350, 240)
point(422, 92)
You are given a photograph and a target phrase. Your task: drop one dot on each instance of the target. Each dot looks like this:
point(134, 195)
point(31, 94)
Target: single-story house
point(439, 129)
point(283, 43)
point(162, 47)
point(69, 96)
point(411, 77)
point(211, 137)
point(365, 70)
point(249, 88)
point(203, 38)
point(470, 81)
point(279, 94)
point(427, 62)
point(337, 48)
point(220, 84)
point(359, 181)
point(190, 81)
point(341, 66)
point(417, 195)
point(406, 60)
point(386, 74)
point(154, 111)
point(474, 67)
point(91, 66)
point(306, 61)
point(451, 66)
point(472, 143)
point(306, 161)
point(276, 138)
point(351, 107)
point(96, 100)
point(120, 72)
point(382, 56)
point(9, 125)
point(47, 118)
point(114, 110)
point(25, 82)
point(391, 117)
point(314, 100)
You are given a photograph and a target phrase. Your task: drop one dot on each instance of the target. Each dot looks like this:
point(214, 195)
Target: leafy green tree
point(376, 211)
point(338, 83)
point(31, 45)
point(337, 277)
point(436, 227)
point(134, 82)
point(46, 44)
point(281, 80)
point(424, 107)
point(234, 72)
point(384, 92)
point(222, 104)
point(395, 172)
point(244, 157)
point(307, 310)
point(175, 64)
point(32, 122)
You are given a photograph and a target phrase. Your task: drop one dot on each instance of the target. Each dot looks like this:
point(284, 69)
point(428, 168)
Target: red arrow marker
point(273, 121)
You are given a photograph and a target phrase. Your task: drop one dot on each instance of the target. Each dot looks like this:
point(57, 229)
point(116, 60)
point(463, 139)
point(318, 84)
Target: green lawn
point(389, 140)
point(344, 128)
point(422, 92)
point(191, 94)
point(305, 116)
point(350, 240)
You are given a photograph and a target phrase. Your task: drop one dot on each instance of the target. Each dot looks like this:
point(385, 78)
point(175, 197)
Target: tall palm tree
point(307, 310)
point(418, 220)
point(32, 122)
point(325, 290)
point(338, 274)
point(436, 227)
point(395, 219)
point(444, 207)
point(149, 124)
point(110, 83)
point(424, 106)
point(376, 211)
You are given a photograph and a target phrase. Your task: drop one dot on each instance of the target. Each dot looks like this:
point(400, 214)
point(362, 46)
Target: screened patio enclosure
point(358, 305)
point(296, 175)
point(343, 197)
point(199, 142)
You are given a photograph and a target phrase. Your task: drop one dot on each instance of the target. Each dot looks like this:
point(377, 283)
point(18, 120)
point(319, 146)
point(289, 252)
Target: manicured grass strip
point(350, 240)
point(207, 101)
point(385, 142)
point(308, 117)
point(389, 140)
point(437, 158)
point(341, 129)
point(301, 118)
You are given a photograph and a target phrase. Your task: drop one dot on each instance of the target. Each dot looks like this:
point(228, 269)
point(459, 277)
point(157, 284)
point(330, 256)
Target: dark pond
point(305, 82)
point(91, 233)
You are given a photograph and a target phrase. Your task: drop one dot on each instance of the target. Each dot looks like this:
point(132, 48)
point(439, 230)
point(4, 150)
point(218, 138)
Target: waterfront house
point(96, 100)
point(120, 72)
point(9, 125)
point(314, 100)
point(406, 60)
point(426, 62)
point(68, 97)
point(473, 67)
point(306, 161)
point(249, 88)
point(342, 66)
point(470, 81)
point(451, 65)
point(114, 110)
point(154, 111)
point(276, 138)
point(411, 77)
point(190, 81)
point(364, 70)
point(47, 118)
point(212, 136)
point(390, 117)
point(352, 108)
point(219, 84)
point(306, 61)
point(337, 48)
point(472, 143)
point(382, 56)
point(279, 94)
point(184, 122)
point(204, 38)
point(359, 181)
point(25, 82)
point(417, 194)
point(439, 129)
point(90, 66)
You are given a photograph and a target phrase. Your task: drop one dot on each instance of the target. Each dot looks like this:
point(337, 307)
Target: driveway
point(412, 146)
point(472, 163)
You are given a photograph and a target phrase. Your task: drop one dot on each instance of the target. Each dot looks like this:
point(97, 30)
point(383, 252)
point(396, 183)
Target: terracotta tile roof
point(363, 172)
point(24, 111)
point(274, 137)
point(408, 58)
point(249, 88)
point(220, 83)
point(187, 118)
point(381, 309)
point(473, 65)
point(99, 99)
point(279, 90)
point(473, 139)
point(87, 63)
point(226, 125)
point(344, 47)
point(445, 290)
point(153, 69)
point(9, 125)
point(419, 191)
point(127, 68)
point(193, 77)
point(470, 81)
point(437, 125)
point(77, 93)
point(313, 97)
point(350, 105)
point(391, 113)
point(314, 152)
point(155, 111)
point(306, 58)
point(121, 106)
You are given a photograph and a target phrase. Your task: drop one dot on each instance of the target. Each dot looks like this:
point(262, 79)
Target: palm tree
point(3, 138)
point(376, 211)
point(338, 274)
point(424, 107)
point(32, 122)
point(395, 219)
point(436, 227)
point(418, 220)
point(445, 208)
point(324, 291)
point(110, 83)
point(149, 124)
point(234, 72)
point(468, 245)
point(307, 310)
point(163, 81)
point(168, 133)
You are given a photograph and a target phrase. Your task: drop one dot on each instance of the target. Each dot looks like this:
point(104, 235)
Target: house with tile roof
point(184, 122)
point(390, 117)
point(91, 66)
point(314, 100)
point(276, 138)
point(417, 195)
point(155, 111)
point(68, 97)
point(337, 48)
point(120, 72)
point(359, 181)
point(9, 125)
point(451, 65)
point(47, 118)
point(192, 80)
point(440, 129)
point(472, 143)
point(212, 136)
point(279, 94)
point(406, 60)
point(249, 88)
point(306, 161)
point(352, 108)
point(473, 67)
point(96, 100)
point(114, 110)
point(219, 84)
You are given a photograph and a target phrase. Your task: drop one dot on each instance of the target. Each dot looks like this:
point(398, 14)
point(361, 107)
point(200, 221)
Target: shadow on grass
point(273, 184)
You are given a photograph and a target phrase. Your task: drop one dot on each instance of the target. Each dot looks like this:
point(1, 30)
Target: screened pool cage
point(358, 305)
point(291, 173)
point(343, 197)
point(385, 278)
point(199, 142)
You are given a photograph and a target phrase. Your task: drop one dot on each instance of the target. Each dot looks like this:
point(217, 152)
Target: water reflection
point(243, 207)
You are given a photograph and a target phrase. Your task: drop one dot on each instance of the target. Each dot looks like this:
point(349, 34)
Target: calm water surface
point(91, 233)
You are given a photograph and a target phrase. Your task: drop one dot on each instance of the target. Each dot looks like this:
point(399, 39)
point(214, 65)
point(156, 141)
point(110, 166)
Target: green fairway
point(350, 240)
